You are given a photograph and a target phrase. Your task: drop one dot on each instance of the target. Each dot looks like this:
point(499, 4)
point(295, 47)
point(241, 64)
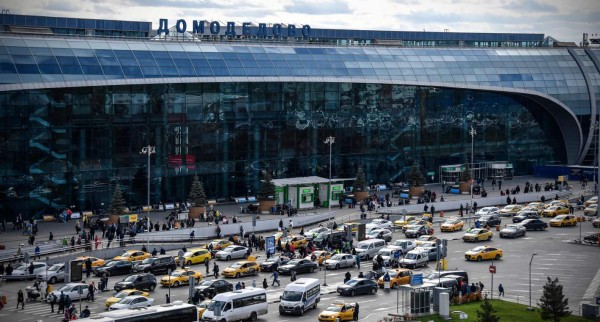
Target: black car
point(489, 221)
point(534, 224)
point(522, 215)
point(210, 288)
point(156, 265)
point(144, 281)
point(299, 265)
point(273, 263)
point(114, 268)
point(357, 286)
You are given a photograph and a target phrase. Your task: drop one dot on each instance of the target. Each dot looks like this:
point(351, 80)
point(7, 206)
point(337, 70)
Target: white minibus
point(300, 295)
point(237, 305)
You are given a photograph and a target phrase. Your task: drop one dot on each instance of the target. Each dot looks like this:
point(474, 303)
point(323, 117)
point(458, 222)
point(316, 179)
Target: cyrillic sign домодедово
point(214, 27)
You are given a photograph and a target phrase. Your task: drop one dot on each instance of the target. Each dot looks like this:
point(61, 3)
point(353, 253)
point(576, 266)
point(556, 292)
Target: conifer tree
point(553, 304)
point(488, 312)
point(360, 183)
point(117, 205)
point(197, 195)
point(267, 188)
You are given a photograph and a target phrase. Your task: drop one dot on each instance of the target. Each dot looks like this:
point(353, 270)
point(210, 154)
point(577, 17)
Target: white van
point(242, 304)
point(300, 295)
point(368, 248)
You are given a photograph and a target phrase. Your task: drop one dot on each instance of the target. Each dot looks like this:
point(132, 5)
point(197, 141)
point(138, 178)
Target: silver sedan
point(232, 252)
point(340, 260)
point(380, 233)
point(513, 231)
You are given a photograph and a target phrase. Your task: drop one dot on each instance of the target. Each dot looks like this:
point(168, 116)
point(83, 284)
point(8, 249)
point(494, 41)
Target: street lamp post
point(530, 262)
point(148, 150)
point(473, 133)
point(329, 140)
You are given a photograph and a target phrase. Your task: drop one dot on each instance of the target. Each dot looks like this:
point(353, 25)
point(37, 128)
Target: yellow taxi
point(423, 239)
point(452, 224)
point(132, 255)
point(483, 252)
point(95, 261)
point(477, 234)
point(242, 268)
point(554, 211)
point(405, 220)
point(553, 203)
point(180, 277)
point(538, 206)
point(510, 210)
point(202, 306)
point(563, 220)
point(591, 201)
point(297, 241)
point(338, 311)
point(399, 276)
point(321, 256)
point(124, 293)
point(418, 222)
point(195, 256)
point(219, 244)
point(278, 235)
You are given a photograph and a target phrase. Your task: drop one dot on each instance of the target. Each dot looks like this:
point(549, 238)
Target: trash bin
point(442, 264)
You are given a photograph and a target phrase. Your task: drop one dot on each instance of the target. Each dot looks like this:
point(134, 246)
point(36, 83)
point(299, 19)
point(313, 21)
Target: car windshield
point(236, 265)
point(362, 246)
point(121, 295)
point(65, 288)
point(216, 305)
point(54, 268)
point(272, 260)
point(398, 243)
point(229, 249)
point(293, 296)
point(560, 217)
point(177, 273)
point(125, 300)
point(130, 278)
point(384, 252)
point(352, 282)
point(334, 309)
point(148, 260)
point(126, 254)
point(294, 262)
point(411, 256)
point(206, 283)
point(204, 304)
point(322, 235)
point(111, 264)
point(337, 257)
point(478, 249)
point(432, 275)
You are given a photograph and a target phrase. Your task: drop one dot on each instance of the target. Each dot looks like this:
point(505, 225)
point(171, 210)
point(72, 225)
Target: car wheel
point(176, 284)
point(253, 316)
point(352, 293)
point(489, 237)
point(237, 275)
point(338, 320)
point(373, 291)
point(228, 257)
point(367, 257)
point(394, 286)
point(497, 257)
point(189, 263)
point(479, 258)
point(152, 287)
point(312, 269)
point(53, 280)
point(337, 266)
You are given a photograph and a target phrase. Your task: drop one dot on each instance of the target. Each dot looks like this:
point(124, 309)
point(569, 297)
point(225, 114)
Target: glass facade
point(69, 146)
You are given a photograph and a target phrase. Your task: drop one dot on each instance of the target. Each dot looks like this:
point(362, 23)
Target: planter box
point(464, 187)
point(415, 192)
point(361, 195)
point(196, 212)
point(265, 205)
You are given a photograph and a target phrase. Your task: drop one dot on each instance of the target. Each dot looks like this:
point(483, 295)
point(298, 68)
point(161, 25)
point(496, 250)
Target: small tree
point(267, 188)
point(465, 174)
point(117, 205)
point(360, 183)
point(197, 195)
point(553, 304)
point(488, 312)
point(415, 177)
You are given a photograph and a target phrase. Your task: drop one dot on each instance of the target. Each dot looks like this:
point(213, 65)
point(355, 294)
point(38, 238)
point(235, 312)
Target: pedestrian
point(293, 276)
point(347, 276)
point(356, 306)
point(207, 264)
point(357, 258)
point(216, 270)
point(43, 289)
point(167, 299)
point(88, 267)
point(85, 313)
point(460, 211)
point(265, 283)
point(52, 302)
point(432, 211)
point(91, 290)
point(253, 282)
point(21, 300)
point(275, 276)
point(500, 290)
point(36, 252)
point(61, 303)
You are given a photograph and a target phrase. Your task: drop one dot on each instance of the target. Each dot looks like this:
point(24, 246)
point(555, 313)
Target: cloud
point(318, 8)
point(61, 6)
point(530, 6)
point(199, 4)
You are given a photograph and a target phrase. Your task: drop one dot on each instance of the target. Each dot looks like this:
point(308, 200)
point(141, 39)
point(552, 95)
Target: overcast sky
point(565, 20)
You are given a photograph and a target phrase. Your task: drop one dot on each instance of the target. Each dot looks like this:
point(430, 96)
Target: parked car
point(483, 252)
point(513, 231)
point(181, 277)
point(132, 255)
point(380, 233)
point(452, 224)
point(142, 281)
point(591, 210)
point(387, 254)
point(399, 276)
point(477, 234)
point(340, 260)
point(273, 262)
point(418, 231)
point(591, 201)
point(563, 220)
point(404, 220)
point(232, 252)
point(123, 294)
point(22, 271)
point(156, 265)
point(555, 211)
point(299, 265)
point(96, 262)
point(415, 258)
point(404, 245)
point(242, 268)
point(596, 223)
point(525, 214)
point(114, 268)
point(312, 233)
point(55, 273)
point(358, 286)
point(489, 221)
point(379, 223)
point(319, 256)
point(210, 288)
point(130, 302)
point(534, 224)
point(75, 291)
point(510, 210)
point(487, 211)
point(195, 256)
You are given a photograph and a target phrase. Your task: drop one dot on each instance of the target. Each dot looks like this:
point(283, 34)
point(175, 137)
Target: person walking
point(356, 307)
point(21, 300)
point(88, 267)
point(216, 270)
point(52, 302)
point(207, 264)
point(167, 299)
point(500, 290)
point(275, 276)
point(61, 303)
point(357, 258)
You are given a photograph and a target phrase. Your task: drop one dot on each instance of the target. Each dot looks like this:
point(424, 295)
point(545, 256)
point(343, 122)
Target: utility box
point(590, 310)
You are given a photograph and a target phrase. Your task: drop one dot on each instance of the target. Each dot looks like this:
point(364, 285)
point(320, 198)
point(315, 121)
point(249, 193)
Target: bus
point(237, 305)
point(174, 312)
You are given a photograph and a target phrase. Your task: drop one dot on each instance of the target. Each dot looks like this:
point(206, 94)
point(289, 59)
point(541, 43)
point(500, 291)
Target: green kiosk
point(302, 192)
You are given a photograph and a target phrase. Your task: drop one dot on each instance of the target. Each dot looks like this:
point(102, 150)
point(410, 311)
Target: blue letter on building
point(181, 26)
point(163, 26)
point(215, 27)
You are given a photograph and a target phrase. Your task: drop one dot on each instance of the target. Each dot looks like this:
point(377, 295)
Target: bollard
point(442, 213)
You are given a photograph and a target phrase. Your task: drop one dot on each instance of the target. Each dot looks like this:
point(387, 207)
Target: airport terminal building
point(80, 98)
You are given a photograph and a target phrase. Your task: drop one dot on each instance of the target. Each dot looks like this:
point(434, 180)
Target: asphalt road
point(574, 265)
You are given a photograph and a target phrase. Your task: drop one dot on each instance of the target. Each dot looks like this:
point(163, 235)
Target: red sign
point(175, 160)
point(190, 161)
point(493, 269)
